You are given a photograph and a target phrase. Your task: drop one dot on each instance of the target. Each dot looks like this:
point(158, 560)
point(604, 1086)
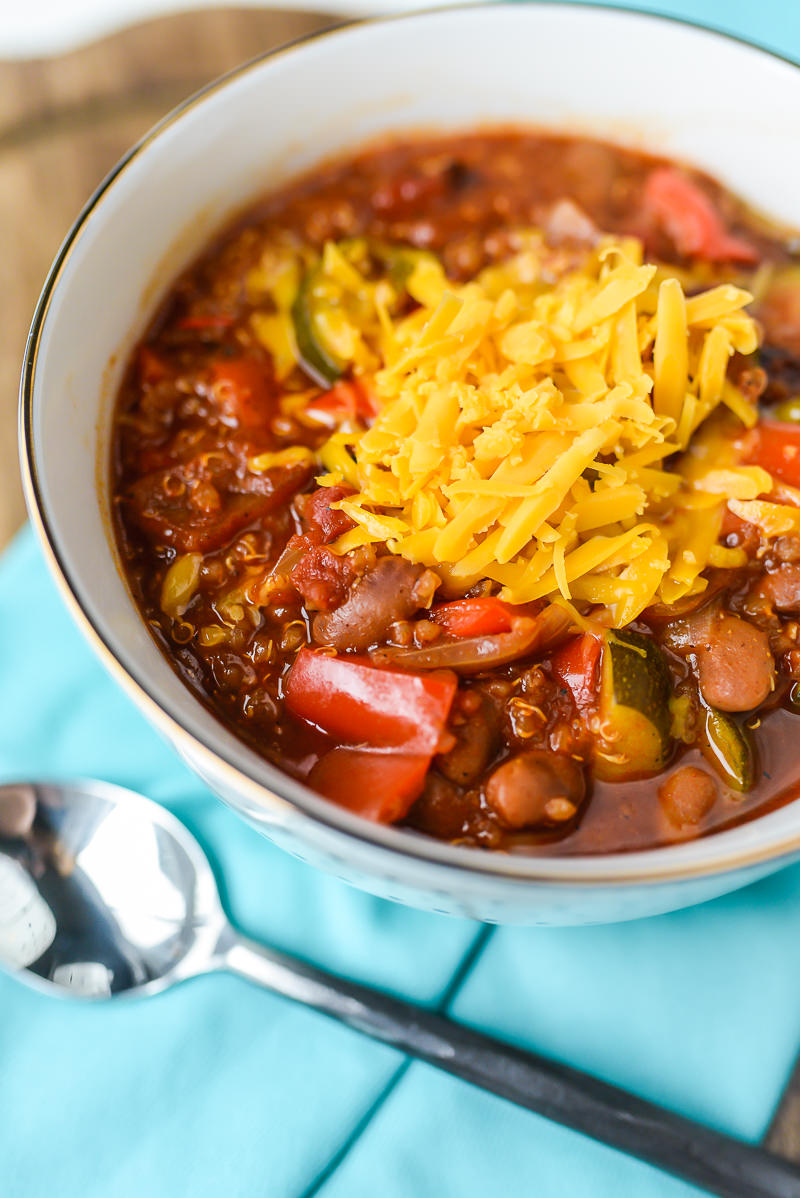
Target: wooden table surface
point(64, 122)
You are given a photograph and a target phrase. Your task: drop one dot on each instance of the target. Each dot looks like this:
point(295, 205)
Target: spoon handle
point(720, 1164)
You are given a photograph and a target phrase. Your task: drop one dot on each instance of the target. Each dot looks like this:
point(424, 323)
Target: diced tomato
point(391, 721)
point(775, 446)
point(378, 785)
point(362, 704)
point(151, 366)
point(408, 193)
point(576, 666)
point(346, 401)
point(322, 577)
point(484, 616)
point(198, 505)
point(178, 523)
point(242, 389)
point(686, 214)
point(323, 522)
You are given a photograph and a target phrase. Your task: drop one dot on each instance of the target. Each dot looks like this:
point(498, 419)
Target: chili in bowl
point(455, 481)
point(466, 490)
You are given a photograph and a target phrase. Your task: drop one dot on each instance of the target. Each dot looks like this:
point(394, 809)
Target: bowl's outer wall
point(457, 69)
point(490, 899)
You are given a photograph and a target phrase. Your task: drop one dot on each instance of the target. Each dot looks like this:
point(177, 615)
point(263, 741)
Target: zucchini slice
point(635, 718)
point(316, 358)
point(726, 745)
point(402, 260)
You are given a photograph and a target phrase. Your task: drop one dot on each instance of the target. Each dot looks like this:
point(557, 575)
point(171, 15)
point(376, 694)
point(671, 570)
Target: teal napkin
point(219, 1089)
point(774, 24)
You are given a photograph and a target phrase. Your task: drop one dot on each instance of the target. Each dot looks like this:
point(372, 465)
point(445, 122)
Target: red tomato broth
point(623, 817)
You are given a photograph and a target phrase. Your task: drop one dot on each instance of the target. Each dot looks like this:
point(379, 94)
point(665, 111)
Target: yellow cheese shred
point(525, 419)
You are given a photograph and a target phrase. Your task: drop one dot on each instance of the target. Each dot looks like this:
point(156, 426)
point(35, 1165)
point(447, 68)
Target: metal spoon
point(104, 893)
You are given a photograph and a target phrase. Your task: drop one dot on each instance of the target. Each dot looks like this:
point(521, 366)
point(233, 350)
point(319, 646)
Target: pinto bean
point(536, 788)
point(780, 312)
point(687, 795)
point(781, 588)
point(477, 740)
point(448, 813)
point(735, 668)
point(786, 549)
point(383, 595)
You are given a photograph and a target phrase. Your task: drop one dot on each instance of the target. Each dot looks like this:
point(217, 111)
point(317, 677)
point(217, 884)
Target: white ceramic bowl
point(644, 81)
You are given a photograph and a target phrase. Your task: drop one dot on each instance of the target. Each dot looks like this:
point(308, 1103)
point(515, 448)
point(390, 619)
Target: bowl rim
point(634, 867)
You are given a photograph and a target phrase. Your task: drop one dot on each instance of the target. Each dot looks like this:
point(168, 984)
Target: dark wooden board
point(64, 122)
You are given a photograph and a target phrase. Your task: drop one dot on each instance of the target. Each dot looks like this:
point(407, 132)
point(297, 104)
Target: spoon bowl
point(102, 892)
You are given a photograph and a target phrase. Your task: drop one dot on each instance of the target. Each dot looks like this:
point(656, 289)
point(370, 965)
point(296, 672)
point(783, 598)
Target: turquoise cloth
point(219, 1089)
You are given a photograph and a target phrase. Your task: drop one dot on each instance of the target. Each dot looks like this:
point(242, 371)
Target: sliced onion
point(685, 633)
point(470, 655)
point(567, 222)
point(660, 614)
point(290, 557)
point(261, 587)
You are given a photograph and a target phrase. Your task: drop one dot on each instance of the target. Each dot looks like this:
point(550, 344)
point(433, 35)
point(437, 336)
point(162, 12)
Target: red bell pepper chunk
point(362, 704)
point(484, 616)
point(391, 721)
point(201, 321)
point(375, 784)
point(241, 387)
point(775, 446)
point(345, 401)
point(688, 217)
point(576, 667)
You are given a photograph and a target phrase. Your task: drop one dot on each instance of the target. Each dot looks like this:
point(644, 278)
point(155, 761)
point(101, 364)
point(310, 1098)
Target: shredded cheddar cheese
point(524, 422)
